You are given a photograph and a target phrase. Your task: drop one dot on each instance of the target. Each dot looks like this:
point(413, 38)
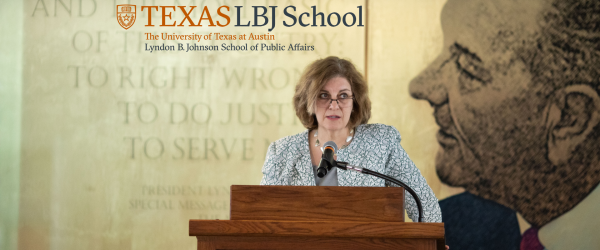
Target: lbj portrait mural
point(516, 97)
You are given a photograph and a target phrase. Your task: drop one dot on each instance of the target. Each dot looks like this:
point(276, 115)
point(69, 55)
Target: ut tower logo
point(126, 15)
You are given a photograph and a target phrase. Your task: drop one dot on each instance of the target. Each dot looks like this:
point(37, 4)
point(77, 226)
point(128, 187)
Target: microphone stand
point(346, 166)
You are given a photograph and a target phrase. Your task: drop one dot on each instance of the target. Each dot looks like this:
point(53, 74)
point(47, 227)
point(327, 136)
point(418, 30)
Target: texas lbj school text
point(333, 19)
point(126, 16)
point(192, 47)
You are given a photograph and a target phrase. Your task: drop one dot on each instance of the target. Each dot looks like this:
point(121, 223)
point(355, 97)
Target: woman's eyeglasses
point(343, 100)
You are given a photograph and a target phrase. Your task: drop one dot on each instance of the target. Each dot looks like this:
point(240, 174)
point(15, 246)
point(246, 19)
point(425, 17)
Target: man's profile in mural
point(516, 97)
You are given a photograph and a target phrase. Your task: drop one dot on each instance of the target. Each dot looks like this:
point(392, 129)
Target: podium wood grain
point(369, 204)
point(315, 229)
point(288, 217)
point(317, 243)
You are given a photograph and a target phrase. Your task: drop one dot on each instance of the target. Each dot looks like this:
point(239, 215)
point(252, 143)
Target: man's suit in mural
point(464, 214)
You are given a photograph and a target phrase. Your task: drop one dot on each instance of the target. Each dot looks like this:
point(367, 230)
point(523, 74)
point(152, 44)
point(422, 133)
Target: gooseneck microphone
point(346, 166)
point(327, 162)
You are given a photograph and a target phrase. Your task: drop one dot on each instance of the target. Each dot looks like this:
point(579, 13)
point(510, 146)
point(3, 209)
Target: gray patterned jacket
point(375, 146)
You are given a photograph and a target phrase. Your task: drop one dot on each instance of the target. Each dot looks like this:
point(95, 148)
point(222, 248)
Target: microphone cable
point(346, 166)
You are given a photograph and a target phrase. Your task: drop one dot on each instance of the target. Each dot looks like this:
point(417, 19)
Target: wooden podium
point(293, 217)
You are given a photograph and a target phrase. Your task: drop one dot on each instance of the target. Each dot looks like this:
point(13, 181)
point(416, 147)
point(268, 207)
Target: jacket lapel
point(305, 169)
point(348, 177)
point(354, 155)
point(303, 164)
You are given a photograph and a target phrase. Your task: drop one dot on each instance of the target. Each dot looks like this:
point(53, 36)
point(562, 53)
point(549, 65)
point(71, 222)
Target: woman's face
point(334, 115)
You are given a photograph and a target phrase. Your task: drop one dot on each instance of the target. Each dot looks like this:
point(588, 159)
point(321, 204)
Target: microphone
point(346, 166)
point(327, 162)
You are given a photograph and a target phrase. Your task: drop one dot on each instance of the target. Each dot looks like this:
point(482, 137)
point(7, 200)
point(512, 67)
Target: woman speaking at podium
point(332, 102)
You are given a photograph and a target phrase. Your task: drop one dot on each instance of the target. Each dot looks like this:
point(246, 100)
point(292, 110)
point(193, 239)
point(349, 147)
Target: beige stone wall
point(121, 147)
point(11, 21)
point(104, 145)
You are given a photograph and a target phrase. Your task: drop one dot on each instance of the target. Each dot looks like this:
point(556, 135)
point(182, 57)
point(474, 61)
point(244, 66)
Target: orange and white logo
point(126, 15)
